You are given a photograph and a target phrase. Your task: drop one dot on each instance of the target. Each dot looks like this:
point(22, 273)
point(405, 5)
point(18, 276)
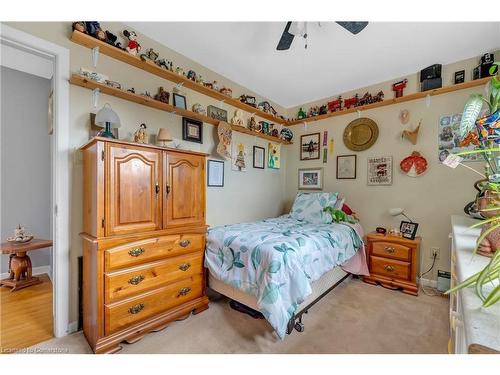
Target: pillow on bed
point(309, 207)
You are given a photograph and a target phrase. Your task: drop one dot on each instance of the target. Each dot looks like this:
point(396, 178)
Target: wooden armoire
point(143, 239)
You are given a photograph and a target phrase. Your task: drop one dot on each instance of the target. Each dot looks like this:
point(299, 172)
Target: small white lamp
point(107, 118)
point(163, 136)
point(399, 211)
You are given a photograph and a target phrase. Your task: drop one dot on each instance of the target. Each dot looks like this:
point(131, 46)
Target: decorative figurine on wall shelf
point(179, 71)
point(132, 90)
point(20, 235)
point(412, 135)
point(111, 39)
point(323, 110)
point(140, 135)
point(147, 94)
point(313, 111)
point(191, 75)
point(133, 46)
point(225, 133)
point(398, 88)
point(335, 105)
point(252, 123)
point(113, 84)
point(199, 79)
point(150, 55)
point(369, 99)
point(198, 108)
point(301, 114)
point(286, 134)
point(238, 118)
point(264, 127)
point(162, 96)
point(208, 85)
point(94, 28)
point(250, 100)
point(226, 91)
point(351, 102)
point(165, 64)
point(79, 26)
point(275, 132)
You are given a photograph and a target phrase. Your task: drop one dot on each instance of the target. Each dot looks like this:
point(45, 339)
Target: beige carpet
point(354, 318)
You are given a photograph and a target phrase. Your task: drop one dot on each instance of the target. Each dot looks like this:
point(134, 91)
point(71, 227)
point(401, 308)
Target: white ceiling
point(335, 61)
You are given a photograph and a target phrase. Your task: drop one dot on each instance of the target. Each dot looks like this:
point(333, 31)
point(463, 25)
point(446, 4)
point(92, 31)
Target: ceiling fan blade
point(286, 38)
point(353, 26)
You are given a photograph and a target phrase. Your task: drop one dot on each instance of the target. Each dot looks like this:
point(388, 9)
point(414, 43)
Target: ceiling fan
point(300, 28)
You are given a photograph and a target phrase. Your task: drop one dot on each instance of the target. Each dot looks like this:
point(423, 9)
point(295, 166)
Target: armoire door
point(133, 189)
point(184, 190)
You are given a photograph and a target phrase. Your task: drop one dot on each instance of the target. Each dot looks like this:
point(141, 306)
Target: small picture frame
point(459, 77)
point(346, 167)
point(311, 179)
point(408, 229)
point(310, 146)
point(192, 130)
point(217, 113)
point(259, 157)
point(180, 101)
point(215, 175)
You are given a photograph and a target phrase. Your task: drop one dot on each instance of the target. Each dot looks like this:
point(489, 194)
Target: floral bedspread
point(277, 259)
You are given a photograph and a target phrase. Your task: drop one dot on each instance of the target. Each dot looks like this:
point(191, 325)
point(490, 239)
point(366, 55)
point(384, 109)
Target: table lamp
point(107, 118)
point(399, 211)
point(163, 136)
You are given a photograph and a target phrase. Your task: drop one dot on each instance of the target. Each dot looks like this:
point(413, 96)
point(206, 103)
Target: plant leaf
point(470, 114)
point(228, 241)
point(271, 293)
point(274, 266)
point(255, 257)
point(493, 297)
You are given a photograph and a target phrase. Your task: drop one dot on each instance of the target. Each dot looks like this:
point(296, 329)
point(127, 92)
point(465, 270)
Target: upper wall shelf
point(405, 98)
point(148, 66)
point(78, 80)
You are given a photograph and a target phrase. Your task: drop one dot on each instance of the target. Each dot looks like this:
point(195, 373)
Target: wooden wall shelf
point(405, 98)
point(81, 81)
point(148, 66)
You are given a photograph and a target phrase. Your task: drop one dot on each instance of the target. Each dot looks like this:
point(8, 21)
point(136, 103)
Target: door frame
point(60, 166)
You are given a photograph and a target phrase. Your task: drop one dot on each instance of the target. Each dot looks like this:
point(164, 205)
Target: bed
point(281, 266)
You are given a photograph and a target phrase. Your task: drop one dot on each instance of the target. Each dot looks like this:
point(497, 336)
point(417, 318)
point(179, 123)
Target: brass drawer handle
point(183, 291)
point(136, 309)
point(136, 280)
point(389, 268)
point(184, 243)
point(184, 266)
point(136, 252)
point(390, 250)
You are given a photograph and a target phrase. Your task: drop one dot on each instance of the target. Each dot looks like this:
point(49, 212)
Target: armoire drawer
point(391, 250)
point(151, 249)
point(128, 282)
point(390, 268)
point(122, 314)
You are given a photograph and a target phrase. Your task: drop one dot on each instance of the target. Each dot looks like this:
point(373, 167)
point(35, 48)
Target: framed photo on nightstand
point(408, 229)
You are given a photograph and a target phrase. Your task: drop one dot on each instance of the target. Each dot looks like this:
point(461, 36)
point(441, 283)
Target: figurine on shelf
point(323, 110)
point(365, 99)
point(133, 46)
point(150, 55)
point(301, 114)
point(20, 235)
point(237, 118)
point(191, 75)
point(247, 99)
point(351, 102)
point(264, 127)
point(227, 91)
point(286, 134)
point(146, 94)
point(179, 71)
point(92, 27)
point(252, 123)
point(198, 108)
point(215, 86)
point(113, 84)
point(264, 106)
point(398, 87)
point(208, 85)
point(163, 96)
point(313, 111)
point(162, 63)
point(132, 90)
point(140, 135)
point(199, 79)
point(378, 98)
point(275, 132)
point(111, 38)
point(335, 105)
point(80, 26)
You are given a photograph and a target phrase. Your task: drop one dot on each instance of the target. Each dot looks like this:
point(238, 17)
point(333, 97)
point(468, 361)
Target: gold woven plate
point(360, 134)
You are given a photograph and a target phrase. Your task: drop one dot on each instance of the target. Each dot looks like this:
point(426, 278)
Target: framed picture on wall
point(380, 170)
point(180, 101)
point(215, 174)
point(192, 130)
point(310, 146)
point(274, 155)
point(259, 157)
point(346, 167)
point(310, 178)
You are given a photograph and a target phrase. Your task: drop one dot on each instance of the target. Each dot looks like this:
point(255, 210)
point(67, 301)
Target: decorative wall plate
point(413, 165)
point(360, 134)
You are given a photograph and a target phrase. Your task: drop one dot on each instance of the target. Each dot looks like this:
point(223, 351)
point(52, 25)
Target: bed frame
point(320, 288)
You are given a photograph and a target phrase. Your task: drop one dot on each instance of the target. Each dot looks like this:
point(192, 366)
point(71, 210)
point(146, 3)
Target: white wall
point(25, 159)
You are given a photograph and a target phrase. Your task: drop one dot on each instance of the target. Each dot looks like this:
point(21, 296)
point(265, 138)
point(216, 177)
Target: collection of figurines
point(20, 235)
point(340, 104)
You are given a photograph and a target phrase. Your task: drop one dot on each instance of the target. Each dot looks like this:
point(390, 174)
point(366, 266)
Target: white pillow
point(309, 207)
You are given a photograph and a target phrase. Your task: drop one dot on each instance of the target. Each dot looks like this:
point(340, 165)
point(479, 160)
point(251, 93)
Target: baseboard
point(36, 271)
point(72, 327)
point(428, 282)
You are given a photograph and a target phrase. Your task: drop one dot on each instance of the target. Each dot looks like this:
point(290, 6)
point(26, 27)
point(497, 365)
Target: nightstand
point(393, 262)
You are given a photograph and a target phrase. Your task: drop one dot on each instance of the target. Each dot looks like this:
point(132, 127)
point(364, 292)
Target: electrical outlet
point(435, 250)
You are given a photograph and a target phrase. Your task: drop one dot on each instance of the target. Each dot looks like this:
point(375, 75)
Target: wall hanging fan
point(360, 134)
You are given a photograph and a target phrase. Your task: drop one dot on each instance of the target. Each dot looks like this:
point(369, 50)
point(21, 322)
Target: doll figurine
point(133, 46)
point(140, 135)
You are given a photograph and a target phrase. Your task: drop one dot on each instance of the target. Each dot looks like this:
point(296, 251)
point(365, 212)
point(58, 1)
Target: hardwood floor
point(25, 316)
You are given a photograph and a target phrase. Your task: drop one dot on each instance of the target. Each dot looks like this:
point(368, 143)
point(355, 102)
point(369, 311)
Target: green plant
point(475, 102)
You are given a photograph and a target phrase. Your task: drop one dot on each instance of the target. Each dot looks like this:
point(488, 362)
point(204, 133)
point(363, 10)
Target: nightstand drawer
point(390, 268)
point(391, 250)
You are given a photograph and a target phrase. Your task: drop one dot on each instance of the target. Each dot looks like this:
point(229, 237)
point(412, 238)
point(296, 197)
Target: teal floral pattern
point(309, 207)
point(277, 259)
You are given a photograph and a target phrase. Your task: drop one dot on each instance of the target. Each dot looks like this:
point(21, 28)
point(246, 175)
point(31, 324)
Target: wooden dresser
point(143, 239)
point(393, 262)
